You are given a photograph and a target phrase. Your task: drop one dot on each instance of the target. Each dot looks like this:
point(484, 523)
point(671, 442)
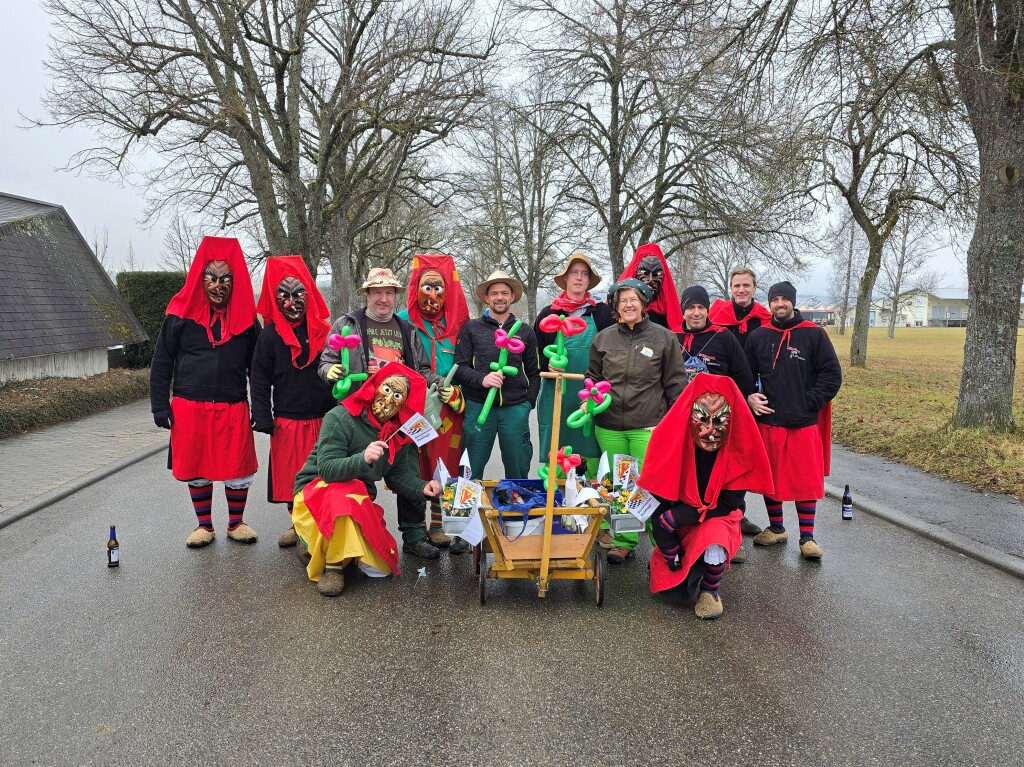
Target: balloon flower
point(506, 342)
point(344, 343)
point(565, 462)
point(597, 398)
point(566, 327)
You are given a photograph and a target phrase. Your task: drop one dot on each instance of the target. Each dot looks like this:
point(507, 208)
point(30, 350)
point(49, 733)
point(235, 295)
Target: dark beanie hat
point(784, 289)
point(695, 294)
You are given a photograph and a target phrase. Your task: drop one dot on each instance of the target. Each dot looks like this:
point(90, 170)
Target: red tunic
point(290, 446)
point(211, 440)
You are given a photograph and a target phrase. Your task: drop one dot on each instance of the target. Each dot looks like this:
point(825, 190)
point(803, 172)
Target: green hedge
point(147, 294)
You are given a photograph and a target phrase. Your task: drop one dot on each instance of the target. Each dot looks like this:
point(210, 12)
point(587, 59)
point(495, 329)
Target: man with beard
point(800, 375)
point(437, 309)
point(650, 267)
point(360, 443)
point(289, 400)
point(385, 338)
point(509, 416)
point(701, 457)
point(205, 347)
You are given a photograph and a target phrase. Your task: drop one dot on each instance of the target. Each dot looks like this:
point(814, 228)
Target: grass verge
point(901, 407)
point(27, 405)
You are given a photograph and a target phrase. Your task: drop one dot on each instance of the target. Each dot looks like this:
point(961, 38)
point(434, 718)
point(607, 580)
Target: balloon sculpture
point(344, 343)
point(565, 327)
point(597, 397)
point(565, 462)
point(506, 342)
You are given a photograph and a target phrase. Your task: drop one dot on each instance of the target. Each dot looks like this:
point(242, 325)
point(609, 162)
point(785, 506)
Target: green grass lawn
point(902, 407)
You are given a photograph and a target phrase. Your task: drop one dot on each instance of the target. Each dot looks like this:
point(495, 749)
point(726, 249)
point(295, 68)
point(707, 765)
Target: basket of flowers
point(456, 512)
point(619, 519)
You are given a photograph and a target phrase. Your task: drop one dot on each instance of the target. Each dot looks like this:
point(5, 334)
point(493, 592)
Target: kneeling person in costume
point(360, 443)
point(701, 457)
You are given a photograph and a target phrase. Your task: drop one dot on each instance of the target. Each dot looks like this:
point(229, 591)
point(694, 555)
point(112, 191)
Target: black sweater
point(719, 350)
point(298, 393)
point(476, 350)
point(802, 379)
point(200, 371)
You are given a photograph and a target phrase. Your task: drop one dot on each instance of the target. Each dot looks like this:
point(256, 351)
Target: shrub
point(147, 294)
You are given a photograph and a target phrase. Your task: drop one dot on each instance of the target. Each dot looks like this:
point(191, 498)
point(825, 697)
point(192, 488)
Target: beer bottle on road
point(847, 504)
point(113, 549)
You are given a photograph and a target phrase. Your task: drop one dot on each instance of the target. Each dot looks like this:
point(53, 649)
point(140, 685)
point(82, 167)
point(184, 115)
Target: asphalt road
point(894, 650)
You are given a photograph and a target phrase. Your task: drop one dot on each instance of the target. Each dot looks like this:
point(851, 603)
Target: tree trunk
point(861, 318)
point(844, 311)
point(341, 249)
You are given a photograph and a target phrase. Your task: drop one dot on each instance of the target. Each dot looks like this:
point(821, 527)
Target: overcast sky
point(32, 159)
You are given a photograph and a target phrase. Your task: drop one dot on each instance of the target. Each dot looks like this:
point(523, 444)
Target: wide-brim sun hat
point(595, 278)
point(499, 276)
point(381, 278)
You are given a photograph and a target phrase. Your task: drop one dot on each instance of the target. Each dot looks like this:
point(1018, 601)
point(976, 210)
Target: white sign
point(464, 468)
point(473, 533)
point(623, 468)
point(602, 467)
point(467, 494)
point(418, 429)
point(641, 504)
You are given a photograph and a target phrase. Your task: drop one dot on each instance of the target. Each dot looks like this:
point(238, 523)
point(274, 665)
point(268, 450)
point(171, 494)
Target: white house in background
point(814, 309)
point(941, 309)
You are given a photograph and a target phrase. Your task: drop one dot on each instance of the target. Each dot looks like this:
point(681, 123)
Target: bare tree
point(846, 261)
point(181, 241)
point(101, 249)
point(903, 272)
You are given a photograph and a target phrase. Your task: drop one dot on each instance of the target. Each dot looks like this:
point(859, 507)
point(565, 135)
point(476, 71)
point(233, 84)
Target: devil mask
point(218, 282)
point(430, 294)
point(651, 272)
point(709, 421)
point(389, 397)
point(291, 299)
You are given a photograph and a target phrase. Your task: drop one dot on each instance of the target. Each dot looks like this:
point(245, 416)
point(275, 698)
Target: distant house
point(60, 311)
point(942, 309)
point(815, 310)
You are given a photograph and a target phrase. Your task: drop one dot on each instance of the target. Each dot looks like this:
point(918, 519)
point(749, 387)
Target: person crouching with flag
point(360, 442)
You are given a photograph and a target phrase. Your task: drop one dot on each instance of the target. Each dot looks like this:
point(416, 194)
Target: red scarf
point(565, 305)
point(318, 322)
point(689, 334)
point(742, 464)
point(667, 300)
point(190, 303)
point(455, 312)
point(361, 401)
point(723, 312)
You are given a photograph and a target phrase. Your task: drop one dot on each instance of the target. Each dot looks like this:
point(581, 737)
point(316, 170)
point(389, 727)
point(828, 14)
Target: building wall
point(85, 362)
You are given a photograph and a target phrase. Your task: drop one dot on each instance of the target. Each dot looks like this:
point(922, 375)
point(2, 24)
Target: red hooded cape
point(722, 312)
point(456, 311)
point(362, 399)
point(318, 323)
point(190, 303)
point(667, 300)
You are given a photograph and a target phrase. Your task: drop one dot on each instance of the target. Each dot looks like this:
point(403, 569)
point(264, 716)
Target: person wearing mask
point(651, 268)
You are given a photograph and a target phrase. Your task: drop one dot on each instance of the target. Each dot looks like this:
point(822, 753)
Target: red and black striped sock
point(202, 502)
point(435, 518)
point(805, 511)
point(712, 577)
point(774, 509)
point(236, 504)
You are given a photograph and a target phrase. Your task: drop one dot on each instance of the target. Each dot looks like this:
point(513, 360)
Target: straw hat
point(499, 276)
point(595, 278)
point(381, 278)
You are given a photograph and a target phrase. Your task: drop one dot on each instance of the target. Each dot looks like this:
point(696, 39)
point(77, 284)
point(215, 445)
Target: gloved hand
point(335, 372)
point(448, 393)
point(674, 562)
point(162, 418)
point(263, 428)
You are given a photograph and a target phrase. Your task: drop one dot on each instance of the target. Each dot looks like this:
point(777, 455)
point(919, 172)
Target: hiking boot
point(605, 540)
point(302, 552)
point(810, 550)
point(459, 546)
point(242, 533)
point(288, 538)
point(740, 556)
point(422, 549)
point(748, 528)
point(439, 538)
point(769, 537)
point(331, 583)
point(620, 554)
point(709, 606)
point(201, 536)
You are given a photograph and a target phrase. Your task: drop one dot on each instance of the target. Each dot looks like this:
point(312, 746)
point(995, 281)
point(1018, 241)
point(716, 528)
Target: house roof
point(58, 298)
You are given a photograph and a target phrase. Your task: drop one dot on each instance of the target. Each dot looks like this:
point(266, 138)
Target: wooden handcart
point(545, 557)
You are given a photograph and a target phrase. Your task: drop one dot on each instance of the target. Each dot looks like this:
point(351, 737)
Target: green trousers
point(511, 425)
point(630, 442)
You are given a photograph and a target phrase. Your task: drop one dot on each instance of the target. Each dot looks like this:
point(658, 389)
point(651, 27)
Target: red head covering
point(667, 300)
point(359, 402)
point(456, 311)
point(318, 323)
point(723, 312)
point(742, 463)
point(190, 303)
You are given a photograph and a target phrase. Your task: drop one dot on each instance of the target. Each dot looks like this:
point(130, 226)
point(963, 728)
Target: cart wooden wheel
point(598, 579)
point(478, 553)
point(483, 581)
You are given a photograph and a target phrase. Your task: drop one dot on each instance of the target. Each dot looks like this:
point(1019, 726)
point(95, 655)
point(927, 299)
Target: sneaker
point(740, 556)
point(620, 554)
point(201, 536)
point(709, 606)
point(769, 537)
point(242, 533)
point(748, 528)
point(810, 550)
point(288, 538)
point(459, 546)
point(422, 549)
point(605, 540)
point(331, 583)
point(439, 538)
